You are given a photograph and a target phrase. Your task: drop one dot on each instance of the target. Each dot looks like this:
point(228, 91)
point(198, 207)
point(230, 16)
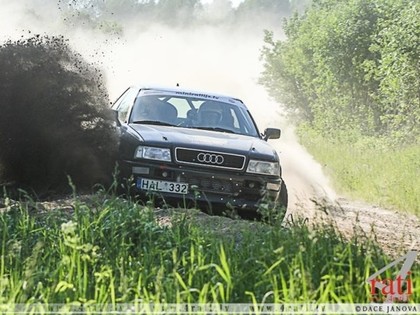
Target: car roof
point(178, 91)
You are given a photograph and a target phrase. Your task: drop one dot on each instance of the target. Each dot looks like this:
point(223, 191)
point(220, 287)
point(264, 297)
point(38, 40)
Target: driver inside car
point(153, 109)
point(211, 114)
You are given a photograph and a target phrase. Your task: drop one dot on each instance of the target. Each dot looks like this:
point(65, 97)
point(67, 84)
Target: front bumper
point(238, 190)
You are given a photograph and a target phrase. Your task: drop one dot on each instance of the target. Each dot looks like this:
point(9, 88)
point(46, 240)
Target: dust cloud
point(212, 58)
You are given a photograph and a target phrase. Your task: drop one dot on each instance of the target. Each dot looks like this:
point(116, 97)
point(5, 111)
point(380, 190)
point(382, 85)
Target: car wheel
point(274, 211)
point(283, 198)
point(282, 202)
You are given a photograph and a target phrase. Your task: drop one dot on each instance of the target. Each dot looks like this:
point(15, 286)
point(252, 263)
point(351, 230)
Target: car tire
point(274, 211)
point(283, 197)
point(282, 202)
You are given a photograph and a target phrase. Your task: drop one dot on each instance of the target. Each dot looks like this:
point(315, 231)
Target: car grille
point(210, 158)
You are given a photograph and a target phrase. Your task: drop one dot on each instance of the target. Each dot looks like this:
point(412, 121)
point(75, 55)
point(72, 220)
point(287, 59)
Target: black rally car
point(187, 146)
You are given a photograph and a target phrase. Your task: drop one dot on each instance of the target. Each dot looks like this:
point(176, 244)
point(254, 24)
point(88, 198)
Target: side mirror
point(271, 133)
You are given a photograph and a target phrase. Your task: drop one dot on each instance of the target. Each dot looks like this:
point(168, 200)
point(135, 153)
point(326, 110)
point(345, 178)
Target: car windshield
point(189, 112)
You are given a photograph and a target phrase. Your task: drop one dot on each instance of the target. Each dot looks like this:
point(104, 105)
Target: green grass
point(368, 169)
point(111, 250)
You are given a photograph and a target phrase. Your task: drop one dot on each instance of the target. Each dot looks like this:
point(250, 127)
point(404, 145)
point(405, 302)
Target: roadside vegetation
point(349, 74)
point(106, 250)
point(374, 172)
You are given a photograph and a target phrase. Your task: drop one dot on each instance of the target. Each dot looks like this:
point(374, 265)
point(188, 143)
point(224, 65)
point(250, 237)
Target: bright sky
point(235, 3)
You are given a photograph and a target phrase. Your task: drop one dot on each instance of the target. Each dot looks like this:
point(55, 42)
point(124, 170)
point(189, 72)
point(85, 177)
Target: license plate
point(160, 185)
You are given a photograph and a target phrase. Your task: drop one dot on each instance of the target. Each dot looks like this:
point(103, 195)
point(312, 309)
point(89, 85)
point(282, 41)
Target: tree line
point(113, 15)
point(350, 67)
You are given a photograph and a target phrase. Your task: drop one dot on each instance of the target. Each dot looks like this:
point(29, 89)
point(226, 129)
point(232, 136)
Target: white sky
point(235, 3)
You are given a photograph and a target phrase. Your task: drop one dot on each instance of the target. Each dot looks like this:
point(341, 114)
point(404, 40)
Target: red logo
point(394, 290)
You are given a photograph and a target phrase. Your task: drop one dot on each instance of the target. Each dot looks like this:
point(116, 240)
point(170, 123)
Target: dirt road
point(311, 196)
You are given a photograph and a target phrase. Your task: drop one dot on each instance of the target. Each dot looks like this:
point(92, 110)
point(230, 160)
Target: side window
point(124, 103)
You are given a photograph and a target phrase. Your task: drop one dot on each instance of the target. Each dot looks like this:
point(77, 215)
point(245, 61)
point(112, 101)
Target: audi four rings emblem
point(210, 158)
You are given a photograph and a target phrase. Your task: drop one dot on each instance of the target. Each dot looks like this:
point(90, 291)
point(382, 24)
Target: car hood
point(206, 140)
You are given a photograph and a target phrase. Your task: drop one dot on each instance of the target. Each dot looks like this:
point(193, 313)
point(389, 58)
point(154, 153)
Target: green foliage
point(397, 71)
point(349, 73)
point(109, 250)
point(350, 65)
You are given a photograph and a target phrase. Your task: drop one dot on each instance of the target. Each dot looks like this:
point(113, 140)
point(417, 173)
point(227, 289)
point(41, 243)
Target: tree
point(349, 65)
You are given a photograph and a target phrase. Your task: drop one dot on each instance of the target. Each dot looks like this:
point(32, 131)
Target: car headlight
point(153, 153)
point(263, 167)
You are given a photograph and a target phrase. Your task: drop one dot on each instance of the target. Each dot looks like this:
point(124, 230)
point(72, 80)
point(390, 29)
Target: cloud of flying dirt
point(216, 56)
point(54, 120)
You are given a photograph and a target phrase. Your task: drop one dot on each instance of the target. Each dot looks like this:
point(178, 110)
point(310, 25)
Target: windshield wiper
point(153, 122)
point(215, 129)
